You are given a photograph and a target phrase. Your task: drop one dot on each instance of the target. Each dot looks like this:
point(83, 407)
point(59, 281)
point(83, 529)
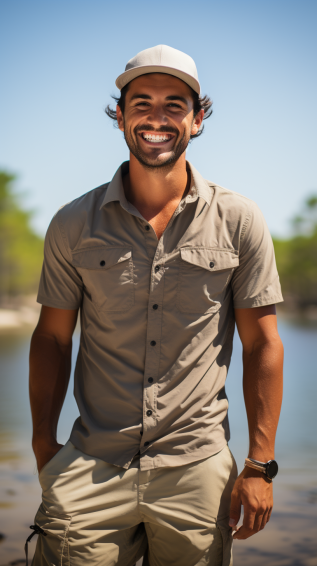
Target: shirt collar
point(199, 187)
point(115, 192)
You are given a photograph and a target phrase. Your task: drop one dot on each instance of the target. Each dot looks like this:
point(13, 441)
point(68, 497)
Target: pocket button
point(211, 264)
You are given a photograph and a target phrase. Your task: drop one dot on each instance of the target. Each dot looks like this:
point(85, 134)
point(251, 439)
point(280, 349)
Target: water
point(289, 538)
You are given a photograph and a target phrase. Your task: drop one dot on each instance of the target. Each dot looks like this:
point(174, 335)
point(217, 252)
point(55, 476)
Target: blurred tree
point(297, 258)
point(21, 250)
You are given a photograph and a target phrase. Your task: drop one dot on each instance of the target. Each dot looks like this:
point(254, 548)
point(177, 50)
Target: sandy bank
point(19, 313)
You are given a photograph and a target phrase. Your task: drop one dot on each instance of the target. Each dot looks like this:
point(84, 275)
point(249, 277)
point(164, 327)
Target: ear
point(120, 119)
point(197, 122)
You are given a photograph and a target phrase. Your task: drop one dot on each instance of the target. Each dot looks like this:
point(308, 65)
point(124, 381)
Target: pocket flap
point(210, 259)
point(101, 258)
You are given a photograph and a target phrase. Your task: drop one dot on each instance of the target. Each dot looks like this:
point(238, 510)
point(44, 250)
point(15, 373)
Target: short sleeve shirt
point(157, 316)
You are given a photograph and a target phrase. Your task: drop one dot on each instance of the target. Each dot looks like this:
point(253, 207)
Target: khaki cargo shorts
point(97, 514)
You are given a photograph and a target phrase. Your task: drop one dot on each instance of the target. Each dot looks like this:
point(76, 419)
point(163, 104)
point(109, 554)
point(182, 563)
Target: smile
point(156, 138)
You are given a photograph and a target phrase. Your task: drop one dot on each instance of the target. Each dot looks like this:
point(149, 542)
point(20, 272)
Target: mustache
point(161, 130)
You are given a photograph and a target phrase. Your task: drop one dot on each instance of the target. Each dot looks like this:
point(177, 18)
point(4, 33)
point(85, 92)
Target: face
point(158, 119)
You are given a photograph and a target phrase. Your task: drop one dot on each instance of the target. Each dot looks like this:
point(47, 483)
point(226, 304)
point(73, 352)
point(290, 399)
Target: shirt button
point(157, 268)
point(102, 263)
point(146, 443)
point(150, 380)
point(211, 264)
point(149, 413)
point(153, 343)
point(155, 307)
point(147, 228)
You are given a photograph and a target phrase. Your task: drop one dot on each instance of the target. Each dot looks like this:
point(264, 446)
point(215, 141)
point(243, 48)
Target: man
point(161, 264)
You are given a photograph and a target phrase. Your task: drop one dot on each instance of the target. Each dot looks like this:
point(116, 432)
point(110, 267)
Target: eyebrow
point(172, 97)
point(176, 97)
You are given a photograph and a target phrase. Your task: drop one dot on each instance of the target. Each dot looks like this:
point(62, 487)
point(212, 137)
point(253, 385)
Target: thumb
point(235, 509)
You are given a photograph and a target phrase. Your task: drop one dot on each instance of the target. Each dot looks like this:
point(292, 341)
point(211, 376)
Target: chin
point(161, 161)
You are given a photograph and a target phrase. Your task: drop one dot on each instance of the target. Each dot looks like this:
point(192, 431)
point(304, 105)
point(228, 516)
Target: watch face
point(271, 469)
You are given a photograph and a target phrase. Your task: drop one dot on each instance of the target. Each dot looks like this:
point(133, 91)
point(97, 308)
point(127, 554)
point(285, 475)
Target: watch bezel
point(271, 469)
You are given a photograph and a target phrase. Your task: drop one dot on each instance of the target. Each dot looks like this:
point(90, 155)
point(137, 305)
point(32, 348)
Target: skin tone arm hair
point(262, 387)
point(50, 364)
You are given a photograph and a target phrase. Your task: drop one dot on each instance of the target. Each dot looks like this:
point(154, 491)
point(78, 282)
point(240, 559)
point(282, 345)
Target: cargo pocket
point(107, 274)
point(52, 548)
point(203, 278)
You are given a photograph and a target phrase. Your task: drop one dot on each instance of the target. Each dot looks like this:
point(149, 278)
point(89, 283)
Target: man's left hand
point(255, 492)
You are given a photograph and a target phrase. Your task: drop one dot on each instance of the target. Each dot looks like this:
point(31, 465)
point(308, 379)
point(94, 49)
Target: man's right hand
point(44, 452)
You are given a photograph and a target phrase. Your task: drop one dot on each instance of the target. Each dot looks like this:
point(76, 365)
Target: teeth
point(155, 137)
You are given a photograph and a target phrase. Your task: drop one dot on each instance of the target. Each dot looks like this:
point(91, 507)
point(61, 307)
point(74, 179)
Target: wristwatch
point(269, 468)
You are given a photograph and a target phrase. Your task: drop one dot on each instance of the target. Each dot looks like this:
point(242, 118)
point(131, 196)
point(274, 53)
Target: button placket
point(150, 241)
point(153, 349)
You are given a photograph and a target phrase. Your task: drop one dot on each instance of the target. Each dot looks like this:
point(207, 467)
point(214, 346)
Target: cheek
point(188, 129)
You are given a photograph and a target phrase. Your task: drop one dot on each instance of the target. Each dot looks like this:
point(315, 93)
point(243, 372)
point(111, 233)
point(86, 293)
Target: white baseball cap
point(161, 59)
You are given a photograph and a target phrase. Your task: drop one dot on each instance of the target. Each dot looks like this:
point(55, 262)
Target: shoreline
point(22, 313)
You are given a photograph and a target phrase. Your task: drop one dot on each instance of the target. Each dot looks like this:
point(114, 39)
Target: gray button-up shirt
point(157, 317)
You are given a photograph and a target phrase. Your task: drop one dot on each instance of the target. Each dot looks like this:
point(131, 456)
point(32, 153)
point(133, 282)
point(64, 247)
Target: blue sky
point(256, 59)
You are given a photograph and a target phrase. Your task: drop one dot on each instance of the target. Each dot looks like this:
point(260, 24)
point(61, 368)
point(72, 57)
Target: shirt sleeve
point(255, 282)
point(60, 285)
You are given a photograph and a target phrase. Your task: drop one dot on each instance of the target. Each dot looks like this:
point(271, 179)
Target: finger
point(246, 530)
point(264, 519)
point(258, 521)
point(269, 514)
point(241, 533)
point(236, 531)
point(249, 517)
point(235, 509)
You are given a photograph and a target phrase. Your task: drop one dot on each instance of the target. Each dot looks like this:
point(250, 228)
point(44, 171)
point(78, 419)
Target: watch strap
point(256, 465)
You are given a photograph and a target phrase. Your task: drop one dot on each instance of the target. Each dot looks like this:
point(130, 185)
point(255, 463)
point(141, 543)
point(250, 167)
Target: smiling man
point(162, 264)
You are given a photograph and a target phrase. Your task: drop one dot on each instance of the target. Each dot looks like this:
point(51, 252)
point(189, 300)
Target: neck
point(153, 190)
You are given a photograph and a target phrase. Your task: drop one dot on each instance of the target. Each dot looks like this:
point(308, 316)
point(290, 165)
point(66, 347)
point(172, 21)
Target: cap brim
point(131, 74)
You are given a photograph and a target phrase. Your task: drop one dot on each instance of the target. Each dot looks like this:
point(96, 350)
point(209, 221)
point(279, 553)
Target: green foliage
point(297, 258)
point(21, 250)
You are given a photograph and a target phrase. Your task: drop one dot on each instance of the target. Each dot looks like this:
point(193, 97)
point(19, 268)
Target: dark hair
point(200, 103)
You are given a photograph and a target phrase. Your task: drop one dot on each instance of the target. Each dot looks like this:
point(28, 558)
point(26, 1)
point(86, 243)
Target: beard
point(153, 162)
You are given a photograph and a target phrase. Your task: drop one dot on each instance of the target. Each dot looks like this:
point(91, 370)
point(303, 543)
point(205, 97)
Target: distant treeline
point(21, 251)
point(296, 259)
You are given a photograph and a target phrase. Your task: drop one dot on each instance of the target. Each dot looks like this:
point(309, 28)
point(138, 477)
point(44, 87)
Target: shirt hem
point(250, 303)
point(148, 462)
point(56, 304)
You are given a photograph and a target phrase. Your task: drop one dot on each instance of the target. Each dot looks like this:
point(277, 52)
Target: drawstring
point(37, 531)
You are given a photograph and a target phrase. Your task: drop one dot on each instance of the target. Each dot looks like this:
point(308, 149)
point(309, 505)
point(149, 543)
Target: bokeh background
point(257, 61)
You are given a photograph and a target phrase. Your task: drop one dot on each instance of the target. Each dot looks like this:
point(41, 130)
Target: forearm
point(263, 386)
point(50, 364)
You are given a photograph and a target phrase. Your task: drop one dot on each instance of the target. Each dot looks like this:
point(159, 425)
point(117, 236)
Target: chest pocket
point(107, 274)
point(203, 278)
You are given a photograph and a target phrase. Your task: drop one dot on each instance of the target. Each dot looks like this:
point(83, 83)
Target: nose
point(157, 117)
